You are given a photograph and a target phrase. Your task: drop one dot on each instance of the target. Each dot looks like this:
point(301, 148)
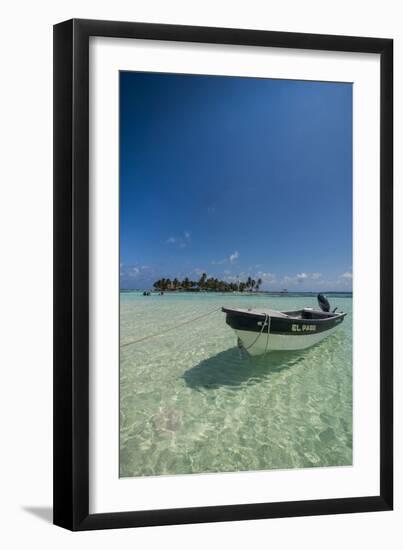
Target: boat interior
point(308, 314)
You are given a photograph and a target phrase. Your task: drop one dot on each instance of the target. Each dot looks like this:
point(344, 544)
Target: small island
point(205, 284)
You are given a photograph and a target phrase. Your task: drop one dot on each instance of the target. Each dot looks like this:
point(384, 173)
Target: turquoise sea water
point(192, 402)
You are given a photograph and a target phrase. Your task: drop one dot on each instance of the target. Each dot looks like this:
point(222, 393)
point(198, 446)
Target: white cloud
point(301, 277)
point(182, 242)
point(346, 275)
point(267, 277)
point(141, 275)
point(131, 272)
point(234, 256)
point(316, 281)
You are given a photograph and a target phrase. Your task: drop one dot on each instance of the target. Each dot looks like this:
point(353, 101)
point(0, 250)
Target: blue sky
point(235, 177)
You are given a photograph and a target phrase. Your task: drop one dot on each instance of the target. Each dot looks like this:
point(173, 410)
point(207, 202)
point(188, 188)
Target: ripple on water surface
point(191, 402)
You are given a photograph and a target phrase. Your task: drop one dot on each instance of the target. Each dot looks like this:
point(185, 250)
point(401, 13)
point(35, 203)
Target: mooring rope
point(259, 335)
point(268, 335)
point(188, 322)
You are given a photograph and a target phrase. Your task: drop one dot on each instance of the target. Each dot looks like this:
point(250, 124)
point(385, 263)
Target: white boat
point(260, 331)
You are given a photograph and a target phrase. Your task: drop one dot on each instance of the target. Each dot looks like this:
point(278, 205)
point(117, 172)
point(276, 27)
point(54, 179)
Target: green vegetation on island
point(210, 284)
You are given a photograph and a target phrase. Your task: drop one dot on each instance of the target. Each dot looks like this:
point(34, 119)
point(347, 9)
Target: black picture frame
point(71, 274)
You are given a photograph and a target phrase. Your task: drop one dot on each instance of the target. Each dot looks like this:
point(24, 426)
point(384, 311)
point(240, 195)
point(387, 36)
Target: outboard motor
point(323, 303)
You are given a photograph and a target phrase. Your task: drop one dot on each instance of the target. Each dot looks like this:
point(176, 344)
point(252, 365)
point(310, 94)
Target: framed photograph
point(223, 236)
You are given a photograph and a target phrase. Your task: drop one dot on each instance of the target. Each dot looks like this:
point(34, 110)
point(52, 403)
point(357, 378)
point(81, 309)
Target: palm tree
point(159, 284)
point(185, 283)
point(211, 284)
point(202, 280)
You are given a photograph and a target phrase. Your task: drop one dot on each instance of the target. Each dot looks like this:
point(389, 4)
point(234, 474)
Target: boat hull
point(259, 332)
point(257, 345)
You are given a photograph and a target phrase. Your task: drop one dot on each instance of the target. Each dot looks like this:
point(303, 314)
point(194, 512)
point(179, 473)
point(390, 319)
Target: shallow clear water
point(192, 402)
